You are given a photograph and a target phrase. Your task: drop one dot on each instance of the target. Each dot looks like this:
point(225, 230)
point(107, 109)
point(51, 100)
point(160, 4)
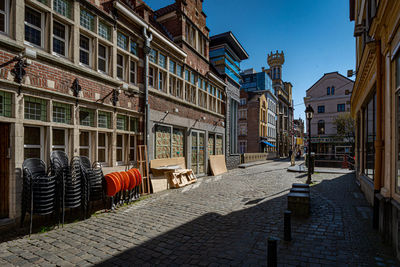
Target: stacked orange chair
point(123, 186)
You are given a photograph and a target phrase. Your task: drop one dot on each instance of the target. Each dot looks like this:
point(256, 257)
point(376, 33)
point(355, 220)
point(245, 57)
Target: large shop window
point(169, 142)
point(398, 136)
point(369, 137)
point(397, 97)
point(60, 140)
point(33, 142)
point(35, 108)
point(5, 104)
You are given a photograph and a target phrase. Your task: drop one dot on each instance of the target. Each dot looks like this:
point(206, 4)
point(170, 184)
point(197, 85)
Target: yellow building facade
point(375, 105)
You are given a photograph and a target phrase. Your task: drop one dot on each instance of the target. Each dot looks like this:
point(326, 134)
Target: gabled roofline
point(333, 72)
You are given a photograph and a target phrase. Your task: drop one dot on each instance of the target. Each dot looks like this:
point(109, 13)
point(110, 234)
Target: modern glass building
point(255, 81)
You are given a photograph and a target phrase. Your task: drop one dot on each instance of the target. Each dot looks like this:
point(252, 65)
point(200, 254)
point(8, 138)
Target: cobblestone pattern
point(223, 220)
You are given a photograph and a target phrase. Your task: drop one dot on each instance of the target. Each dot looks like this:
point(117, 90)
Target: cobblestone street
point(223, 220)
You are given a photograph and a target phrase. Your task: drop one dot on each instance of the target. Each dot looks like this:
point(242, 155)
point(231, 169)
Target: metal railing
point(338, 160)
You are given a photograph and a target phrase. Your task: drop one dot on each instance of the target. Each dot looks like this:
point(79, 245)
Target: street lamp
point(309, 115)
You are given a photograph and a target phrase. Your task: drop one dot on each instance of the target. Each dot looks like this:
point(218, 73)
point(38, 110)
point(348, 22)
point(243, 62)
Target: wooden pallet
point(180, 178)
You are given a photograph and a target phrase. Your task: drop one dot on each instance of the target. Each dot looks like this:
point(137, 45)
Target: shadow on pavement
point(335, 234)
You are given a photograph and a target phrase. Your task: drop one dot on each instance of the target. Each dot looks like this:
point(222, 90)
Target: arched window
point(328, 91)
point(279, 73)
point(332, 90)
point(321, 127)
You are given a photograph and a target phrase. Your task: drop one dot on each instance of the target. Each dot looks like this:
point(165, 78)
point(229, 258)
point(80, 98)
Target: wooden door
point(4, 169)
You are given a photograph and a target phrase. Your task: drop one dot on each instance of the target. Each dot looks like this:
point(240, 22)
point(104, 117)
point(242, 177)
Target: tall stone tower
point(275, 62)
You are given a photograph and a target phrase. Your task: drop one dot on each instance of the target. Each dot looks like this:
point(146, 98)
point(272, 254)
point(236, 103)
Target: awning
point(268, 144)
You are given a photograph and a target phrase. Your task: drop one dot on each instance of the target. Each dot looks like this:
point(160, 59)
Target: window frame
point(119, 162)
point(106, 58)
point(318, 127)
point(88, 51)
point(41, 29)
point(40, 146)
point(121, 67)
point(66, 40)
point(321, 109)
point(65, 146)
point(80, 19)
point(89, 144)
point(134, 72)
point(106, 162)
point(6, 14)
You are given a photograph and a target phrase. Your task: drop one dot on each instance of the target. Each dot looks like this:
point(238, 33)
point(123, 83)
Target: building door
point(198, 157)
point(4, 169)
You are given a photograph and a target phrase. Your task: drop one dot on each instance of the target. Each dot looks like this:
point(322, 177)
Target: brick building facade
point(84, 89)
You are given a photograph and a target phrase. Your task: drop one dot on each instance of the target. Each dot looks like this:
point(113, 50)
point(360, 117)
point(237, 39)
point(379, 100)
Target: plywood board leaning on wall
point(217, 164)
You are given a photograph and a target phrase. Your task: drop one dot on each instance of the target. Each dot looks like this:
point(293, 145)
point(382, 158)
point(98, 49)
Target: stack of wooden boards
point(299, 199)
point(180, 177)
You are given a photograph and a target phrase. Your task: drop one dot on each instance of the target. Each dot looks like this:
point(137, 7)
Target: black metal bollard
point(272, 258)
point(287, 225)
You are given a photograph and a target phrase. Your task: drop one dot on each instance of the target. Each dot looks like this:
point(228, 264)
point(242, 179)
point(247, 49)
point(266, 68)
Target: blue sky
point(315, 35)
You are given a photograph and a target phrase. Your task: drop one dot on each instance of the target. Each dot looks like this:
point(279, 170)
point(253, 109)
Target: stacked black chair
point(39, 190)
point(94, 178)
point(69, 181)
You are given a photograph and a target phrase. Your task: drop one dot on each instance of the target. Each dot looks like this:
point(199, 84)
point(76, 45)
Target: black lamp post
point(309, 115)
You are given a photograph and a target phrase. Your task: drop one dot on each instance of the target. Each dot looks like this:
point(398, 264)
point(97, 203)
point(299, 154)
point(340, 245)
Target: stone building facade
point(329, 97)
point(375, 105)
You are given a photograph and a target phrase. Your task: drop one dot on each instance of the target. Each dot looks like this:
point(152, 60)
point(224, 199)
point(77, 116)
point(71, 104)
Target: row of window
point(340, 108)
point(95, 39)
point(184, 84)
point(37, 109)
point(195, 39)
point(94, 145)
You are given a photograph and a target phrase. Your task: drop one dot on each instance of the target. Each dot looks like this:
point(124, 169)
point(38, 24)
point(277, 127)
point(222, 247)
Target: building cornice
point(365, 67)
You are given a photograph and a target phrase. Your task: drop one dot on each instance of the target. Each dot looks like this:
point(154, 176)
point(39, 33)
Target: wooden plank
point(217, 164)
point(180, 161)
point(155, 163)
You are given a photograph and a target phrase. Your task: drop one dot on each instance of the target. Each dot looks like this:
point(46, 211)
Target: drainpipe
point(147, 49)
point(378, 140)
